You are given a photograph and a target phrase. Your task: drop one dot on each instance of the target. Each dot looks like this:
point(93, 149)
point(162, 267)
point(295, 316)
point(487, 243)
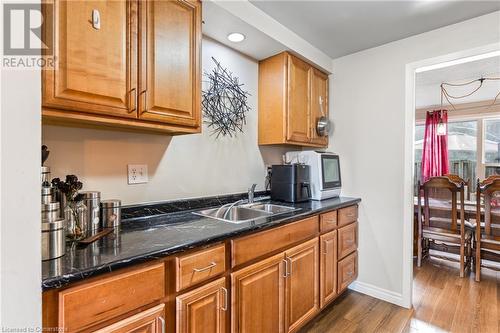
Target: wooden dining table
point(445, 205)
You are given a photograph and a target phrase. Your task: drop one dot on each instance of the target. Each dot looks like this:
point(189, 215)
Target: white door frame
point(409, 159)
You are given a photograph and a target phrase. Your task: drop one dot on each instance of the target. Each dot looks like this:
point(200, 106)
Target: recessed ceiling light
point(236, 37)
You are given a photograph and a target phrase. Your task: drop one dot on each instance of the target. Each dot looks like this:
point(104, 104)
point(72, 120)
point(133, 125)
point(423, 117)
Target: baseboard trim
point(377, 292)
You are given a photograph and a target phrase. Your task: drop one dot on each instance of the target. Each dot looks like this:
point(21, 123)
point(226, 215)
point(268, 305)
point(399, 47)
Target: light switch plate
point(137, 173)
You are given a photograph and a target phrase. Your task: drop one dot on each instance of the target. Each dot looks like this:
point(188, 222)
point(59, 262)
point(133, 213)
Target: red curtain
point(435, 148)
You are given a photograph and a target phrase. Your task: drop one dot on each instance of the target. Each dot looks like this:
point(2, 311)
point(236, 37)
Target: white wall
point(368, 112)
point(20, 248)
point(179, 166)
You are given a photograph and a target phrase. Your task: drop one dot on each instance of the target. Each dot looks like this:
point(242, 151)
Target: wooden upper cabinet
point(298, 118)
point(318, 103)
point(170, 79)
point(258, 297)
point(96, 68)
point(302, 284)
point(289, 91)
point(139, 68)
point(203, 310)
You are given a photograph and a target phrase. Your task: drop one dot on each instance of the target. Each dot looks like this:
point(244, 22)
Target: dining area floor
point(442, 302)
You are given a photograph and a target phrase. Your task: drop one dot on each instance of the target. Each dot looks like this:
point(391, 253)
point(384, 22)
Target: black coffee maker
point(290, 183)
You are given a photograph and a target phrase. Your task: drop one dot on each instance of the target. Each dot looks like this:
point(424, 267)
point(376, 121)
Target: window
point(491, 146)
point(463, 155)
point(462, 149)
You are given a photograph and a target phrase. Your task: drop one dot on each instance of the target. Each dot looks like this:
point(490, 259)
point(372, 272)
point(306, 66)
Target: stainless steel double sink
point(245, 213)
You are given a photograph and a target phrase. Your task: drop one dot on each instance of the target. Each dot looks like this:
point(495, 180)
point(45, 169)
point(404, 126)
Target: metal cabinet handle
point(351, 215)
point(349, 241)
point(212, 265)
point(133, 93)
point(162, 320)
point(286, 268)
point(145, 107)
point(96, 19)
point(350, 273)
point(290, 260)
point(224, 308)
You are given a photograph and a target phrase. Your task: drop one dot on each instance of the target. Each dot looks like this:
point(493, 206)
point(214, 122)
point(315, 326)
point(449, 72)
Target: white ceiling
point(428, 93)
point(342, 27)
point(218, 23)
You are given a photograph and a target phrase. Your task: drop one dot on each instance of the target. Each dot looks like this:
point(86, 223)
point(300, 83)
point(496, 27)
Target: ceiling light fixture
point(235, 37)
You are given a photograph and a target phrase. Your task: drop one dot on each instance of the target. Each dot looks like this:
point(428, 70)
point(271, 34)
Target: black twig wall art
point(224, 103)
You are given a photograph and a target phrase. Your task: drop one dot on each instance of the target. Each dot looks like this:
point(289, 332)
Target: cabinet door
point(301, 295)
point(203, 310)
point(347, 271)
point(148, 321)
point(170, 39)
point(328, 268)
point(258, 297)
point(298, 119)
point(319, 104)
point(96, 65)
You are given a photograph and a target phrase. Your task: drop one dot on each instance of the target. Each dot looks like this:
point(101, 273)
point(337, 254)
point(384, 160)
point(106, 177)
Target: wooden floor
point(442, 302)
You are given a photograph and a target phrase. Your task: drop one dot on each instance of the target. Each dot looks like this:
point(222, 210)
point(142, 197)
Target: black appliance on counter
point(290, 183)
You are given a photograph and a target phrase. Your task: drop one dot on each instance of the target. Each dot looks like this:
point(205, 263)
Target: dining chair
point(487, 238)
point(443, 229)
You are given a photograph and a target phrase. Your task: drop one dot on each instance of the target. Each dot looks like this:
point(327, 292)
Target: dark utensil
point(45, 153)
point(91, 239)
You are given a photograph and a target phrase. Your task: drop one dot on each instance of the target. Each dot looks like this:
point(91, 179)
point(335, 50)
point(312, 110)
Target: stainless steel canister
point(92, 199)
point(61, 198)
point(47, 194)
point(45, 175)
point(53, 239)
point(50, 211)
point(111, 213)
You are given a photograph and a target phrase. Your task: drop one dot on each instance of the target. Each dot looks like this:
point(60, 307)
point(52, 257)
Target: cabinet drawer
point(328, 221)
point(91, 303)
point(348, 215)
point(200, 266)
point(348, 239)
point(253, 246)
point(347, 271)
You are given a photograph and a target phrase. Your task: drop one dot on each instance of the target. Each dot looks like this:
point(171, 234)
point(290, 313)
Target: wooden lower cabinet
point(278, 294)
point(148, 321)
point(328, 268)
point(302, 284)
point(279, 280)
point(258, 296)
point(204, 309)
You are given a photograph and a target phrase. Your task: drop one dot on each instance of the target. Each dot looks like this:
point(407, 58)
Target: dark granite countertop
point(142, 239)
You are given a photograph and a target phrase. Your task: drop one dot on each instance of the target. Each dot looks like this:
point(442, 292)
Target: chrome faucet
point(251, 193)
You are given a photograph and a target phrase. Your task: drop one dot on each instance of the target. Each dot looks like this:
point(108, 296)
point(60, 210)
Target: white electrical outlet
point(137, 173)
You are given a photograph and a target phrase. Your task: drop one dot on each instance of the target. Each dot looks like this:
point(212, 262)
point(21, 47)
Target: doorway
point(472, 148)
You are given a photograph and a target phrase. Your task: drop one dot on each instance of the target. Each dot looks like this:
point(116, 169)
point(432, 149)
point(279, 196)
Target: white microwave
point(324, 169)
